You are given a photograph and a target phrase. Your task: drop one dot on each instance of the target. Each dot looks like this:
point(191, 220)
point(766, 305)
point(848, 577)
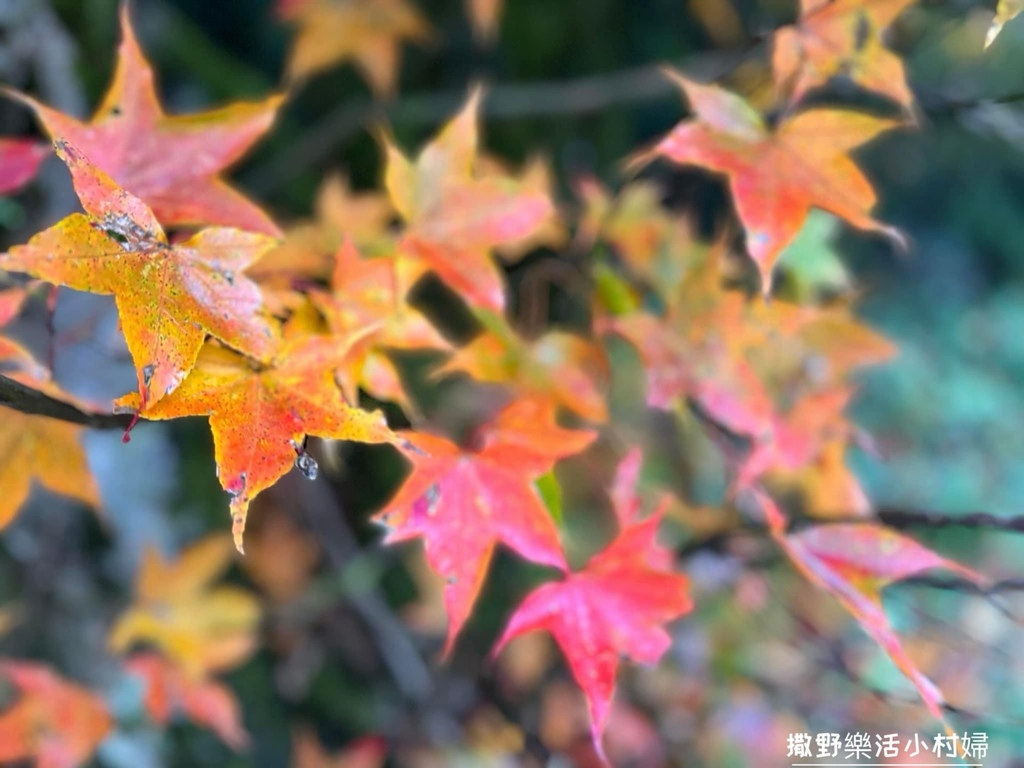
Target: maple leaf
point(565, 368)
point(462, 502)
point(615, 606)
point(1006, 11)
point(697, 351)
point(260, 415)
point(200, 628)
point(805, 450)
point(171, 162)
point(854, 563)
point(55, 723)
point(368, 300)
point(834, 37)
point(19, 162)
point(308, 247)
point(653, 244)
point(205, 702)
point(777, 176)
point(829, 488)
point(13, 356)
point(369, 32)
point(169, 297)
point(535, 178)
point(455, 215)
point(36, 448)
point(47, 451)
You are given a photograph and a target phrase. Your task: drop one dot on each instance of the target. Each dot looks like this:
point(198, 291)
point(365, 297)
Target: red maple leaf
point(171, 162)
point(54, 721)
point(205, 702)
point(616, 606)
point(855, 562)
point(19, 161)
point(463, 502)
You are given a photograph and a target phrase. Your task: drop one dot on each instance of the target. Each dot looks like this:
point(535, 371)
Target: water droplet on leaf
point(307, 465)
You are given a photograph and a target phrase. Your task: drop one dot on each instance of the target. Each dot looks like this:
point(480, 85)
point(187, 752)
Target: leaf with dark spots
point(464, 502)
point(169, 297)
point(258, 414)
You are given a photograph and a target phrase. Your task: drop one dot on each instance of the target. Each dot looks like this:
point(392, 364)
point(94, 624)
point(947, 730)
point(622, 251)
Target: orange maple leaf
point(201, 628)
point(47, 451)
point(456, 215)
point(368, 300)
point(565, 368)
point(36, 448)
point(260, 415)
point(169, 297)
point(834, 37)
point(205, 702)
point(697, 350)
point(653, 243)
point(369, 32)
point(55, 722)
point(171, 162)
point(464, 501)
point(308, 247)
point(777, 176)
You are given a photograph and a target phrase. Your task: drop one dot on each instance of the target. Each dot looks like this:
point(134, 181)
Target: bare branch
point(15, 395)
point(398, 651)
point(576, 96)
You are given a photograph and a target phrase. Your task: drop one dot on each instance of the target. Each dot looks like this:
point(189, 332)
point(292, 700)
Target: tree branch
point(398, 651)
point(911, 518)
point(17, 396)
point(576, 96)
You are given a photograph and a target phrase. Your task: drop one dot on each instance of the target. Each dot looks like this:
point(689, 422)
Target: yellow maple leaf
point(177, 609)
point(367, 32)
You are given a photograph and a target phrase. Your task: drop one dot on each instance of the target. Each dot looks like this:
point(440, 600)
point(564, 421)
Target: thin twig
point(913, 518)
point(398, 653)
point(15, 395)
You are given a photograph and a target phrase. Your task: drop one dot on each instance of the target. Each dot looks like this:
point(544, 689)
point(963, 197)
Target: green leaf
point(551, 494)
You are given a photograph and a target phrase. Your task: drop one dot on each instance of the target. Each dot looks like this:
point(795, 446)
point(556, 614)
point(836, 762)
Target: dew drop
point(307, 465)
point(433, 498)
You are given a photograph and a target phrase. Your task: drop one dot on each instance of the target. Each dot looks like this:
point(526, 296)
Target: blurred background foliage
point(351, 631)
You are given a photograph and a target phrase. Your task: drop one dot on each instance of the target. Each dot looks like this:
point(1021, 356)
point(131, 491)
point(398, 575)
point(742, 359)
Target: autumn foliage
point(277, 333)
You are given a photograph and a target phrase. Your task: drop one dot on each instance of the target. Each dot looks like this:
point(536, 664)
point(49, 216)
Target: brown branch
point(397, 649)
point(17, 396)
point(577, 96)
point(913, 518)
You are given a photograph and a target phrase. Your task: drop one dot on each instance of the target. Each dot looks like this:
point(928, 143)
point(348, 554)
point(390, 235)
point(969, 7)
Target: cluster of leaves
point(276, 335)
